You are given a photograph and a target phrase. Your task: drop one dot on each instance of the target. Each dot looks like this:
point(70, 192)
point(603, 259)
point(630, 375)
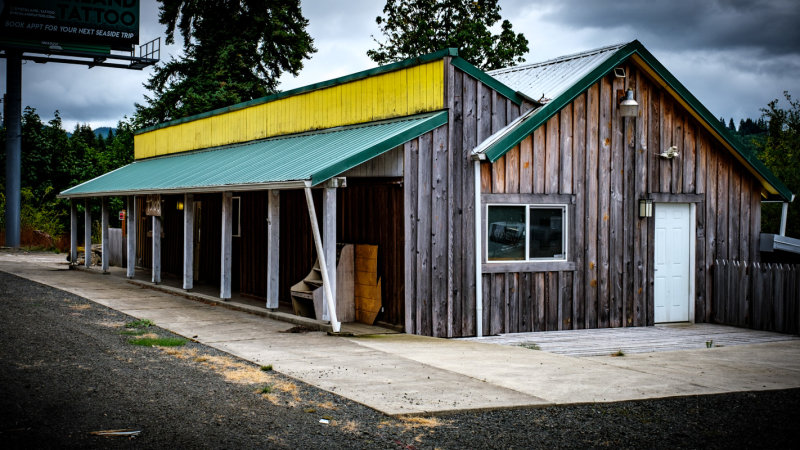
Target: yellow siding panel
point(394, 94)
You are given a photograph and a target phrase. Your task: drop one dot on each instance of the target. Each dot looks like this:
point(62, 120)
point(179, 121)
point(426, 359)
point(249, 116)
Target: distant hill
point(103, 131)
point(100, 132)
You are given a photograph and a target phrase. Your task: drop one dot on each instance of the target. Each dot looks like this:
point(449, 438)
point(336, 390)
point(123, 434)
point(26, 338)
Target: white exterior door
point(672, 262)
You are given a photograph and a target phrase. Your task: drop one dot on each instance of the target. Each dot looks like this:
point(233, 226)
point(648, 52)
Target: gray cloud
point(734, 55)
point(768, 25)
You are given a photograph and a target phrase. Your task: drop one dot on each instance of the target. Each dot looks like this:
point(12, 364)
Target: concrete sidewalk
point(404, 374)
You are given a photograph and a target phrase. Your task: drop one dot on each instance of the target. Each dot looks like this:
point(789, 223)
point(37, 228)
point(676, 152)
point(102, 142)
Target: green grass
point(158, 342)
point(266, 389)
point(530, 346)
point(267, 368)
point(133, 332)
point(141, 323)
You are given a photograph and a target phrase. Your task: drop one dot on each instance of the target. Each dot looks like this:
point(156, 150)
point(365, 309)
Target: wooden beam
point(188, 241)
point(566, 199)
point(227, 243)
point(273, 247)
point(529, 267)
point(132, 222)
point(329, 244)
point(676, 198)
point(156, 257)
point(87, 234)
point(73, 232)
point(104, 232)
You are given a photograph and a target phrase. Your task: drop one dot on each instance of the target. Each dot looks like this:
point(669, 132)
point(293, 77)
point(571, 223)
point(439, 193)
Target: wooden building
point(500, 202)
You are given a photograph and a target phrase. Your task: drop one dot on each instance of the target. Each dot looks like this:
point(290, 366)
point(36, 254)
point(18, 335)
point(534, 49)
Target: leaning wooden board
point(367, 284)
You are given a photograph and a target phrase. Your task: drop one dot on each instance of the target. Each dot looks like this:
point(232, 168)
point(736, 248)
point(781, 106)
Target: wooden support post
point(87, 234)
point(273, 247)
point(73, 232)
point(156, 276)
point(335, 324)
point(329, 242)
point(106, 253)
point(227, 242)
point(188, 241)
point(131, 238)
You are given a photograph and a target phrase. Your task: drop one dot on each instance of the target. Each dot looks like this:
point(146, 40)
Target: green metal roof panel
point(513, 135)
point(310, 157)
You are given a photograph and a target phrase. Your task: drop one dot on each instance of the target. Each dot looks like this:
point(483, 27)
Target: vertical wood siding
point(608, 164)
point(394, 94)
point(439, 213)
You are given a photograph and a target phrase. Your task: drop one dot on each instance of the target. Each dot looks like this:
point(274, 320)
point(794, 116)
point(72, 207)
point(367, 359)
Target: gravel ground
point(67, 370)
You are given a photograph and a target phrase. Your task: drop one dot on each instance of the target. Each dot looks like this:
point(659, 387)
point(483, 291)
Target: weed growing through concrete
point(141, 323)
point(530, 346)
point(618, 353)
point(157, 341)
point(709, 343)
point(267, 368)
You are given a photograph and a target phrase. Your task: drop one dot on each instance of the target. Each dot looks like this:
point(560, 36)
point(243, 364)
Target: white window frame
point(528, 206)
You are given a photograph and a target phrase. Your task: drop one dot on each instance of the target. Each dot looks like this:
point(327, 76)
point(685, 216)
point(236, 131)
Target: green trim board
point(293, 161)
point(515, 135)
point(311, 87)
point(486, 79)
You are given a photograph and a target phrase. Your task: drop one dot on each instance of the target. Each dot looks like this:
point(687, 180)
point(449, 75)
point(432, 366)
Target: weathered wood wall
point(439, 216)
point(605, 163)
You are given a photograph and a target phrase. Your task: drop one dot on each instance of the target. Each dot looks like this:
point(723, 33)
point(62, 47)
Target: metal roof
point(288, 161)
point(544, 81)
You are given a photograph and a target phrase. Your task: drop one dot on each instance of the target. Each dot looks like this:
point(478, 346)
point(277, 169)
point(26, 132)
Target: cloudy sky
point(733, 55)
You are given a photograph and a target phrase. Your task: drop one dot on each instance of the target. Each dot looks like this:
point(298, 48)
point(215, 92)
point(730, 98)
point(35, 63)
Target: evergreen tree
point(731, 126)
point(234, 51)
point(415, 27)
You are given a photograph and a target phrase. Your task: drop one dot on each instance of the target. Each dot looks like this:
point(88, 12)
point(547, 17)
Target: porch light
point(179, 206)
point(645, 207)
point(628, 107)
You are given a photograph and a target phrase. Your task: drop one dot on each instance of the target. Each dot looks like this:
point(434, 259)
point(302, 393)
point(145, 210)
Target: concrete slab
point(403, 374)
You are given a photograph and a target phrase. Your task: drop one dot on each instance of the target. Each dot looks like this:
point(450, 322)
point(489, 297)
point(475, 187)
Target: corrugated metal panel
point(314, 157)
point(546, 80)
point(399, 93)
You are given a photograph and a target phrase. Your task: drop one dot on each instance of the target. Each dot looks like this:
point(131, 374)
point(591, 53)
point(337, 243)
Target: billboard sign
point(112, 23)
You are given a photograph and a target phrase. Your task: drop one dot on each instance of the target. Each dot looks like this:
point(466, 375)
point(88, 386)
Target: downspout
point(784, 213)
point(312, 213)
point(478, 256)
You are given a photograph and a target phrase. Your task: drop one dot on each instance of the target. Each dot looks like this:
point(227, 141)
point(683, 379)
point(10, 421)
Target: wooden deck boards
point(662, 338)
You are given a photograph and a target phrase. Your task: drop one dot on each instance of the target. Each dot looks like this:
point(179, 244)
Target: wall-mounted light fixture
point(179, 206)
point(628, 107)
point(645, 207)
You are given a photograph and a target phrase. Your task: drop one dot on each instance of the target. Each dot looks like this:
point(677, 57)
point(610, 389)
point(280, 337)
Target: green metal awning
point(293, 161)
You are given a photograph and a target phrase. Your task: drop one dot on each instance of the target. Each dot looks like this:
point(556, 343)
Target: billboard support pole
point(13, 146)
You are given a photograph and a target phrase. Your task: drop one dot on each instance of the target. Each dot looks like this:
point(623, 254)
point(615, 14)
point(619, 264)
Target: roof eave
point(279, 185)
